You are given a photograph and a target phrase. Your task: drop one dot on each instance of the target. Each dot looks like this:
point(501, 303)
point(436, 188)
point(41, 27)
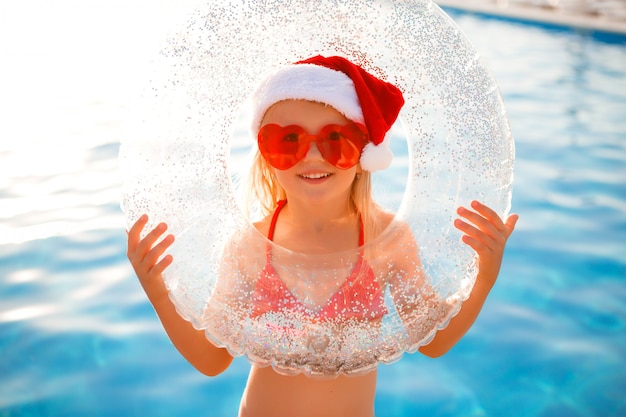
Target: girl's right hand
point(144, 256)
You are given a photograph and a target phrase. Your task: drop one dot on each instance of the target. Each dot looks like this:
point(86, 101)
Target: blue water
point(78, 337)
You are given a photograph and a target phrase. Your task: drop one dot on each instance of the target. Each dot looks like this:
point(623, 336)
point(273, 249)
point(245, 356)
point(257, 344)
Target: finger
point(484, 210)
point(476, 244)
point(472, 236)
point(161, 265)
point(473, 233)
point(488, 213)
point(481, 222)
point(156, 252)
point(135, 232)
point(148, 241)
point(511, 221)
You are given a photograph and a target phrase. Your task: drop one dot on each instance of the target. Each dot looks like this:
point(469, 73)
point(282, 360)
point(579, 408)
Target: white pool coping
point(606, 16)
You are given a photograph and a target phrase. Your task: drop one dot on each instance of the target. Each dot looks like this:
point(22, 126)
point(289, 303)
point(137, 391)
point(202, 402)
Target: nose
point(313, 152)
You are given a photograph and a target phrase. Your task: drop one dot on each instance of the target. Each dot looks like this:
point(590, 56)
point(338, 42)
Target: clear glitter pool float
point(176, 167)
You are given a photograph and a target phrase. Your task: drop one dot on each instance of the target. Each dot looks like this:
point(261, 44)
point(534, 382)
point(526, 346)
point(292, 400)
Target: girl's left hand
point(487, 234)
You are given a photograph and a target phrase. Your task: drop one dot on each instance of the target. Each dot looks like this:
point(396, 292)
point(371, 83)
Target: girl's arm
point(191, 343)
point(487, 234)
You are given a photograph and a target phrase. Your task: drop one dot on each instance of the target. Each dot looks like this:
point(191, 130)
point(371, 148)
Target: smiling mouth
point(315, 176)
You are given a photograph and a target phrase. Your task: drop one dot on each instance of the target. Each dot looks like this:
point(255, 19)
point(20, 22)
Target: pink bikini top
point(359, 297)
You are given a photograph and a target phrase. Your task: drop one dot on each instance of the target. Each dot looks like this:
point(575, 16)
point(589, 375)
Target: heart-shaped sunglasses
point(285, 146)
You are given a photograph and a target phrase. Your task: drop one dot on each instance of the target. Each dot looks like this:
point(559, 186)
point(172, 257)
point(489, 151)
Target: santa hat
point(346, 87)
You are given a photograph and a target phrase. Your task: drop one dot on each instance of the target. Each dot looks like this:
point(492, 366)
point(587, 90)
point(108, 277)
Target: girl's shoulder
point(247, 240)
point(383, 218)
point(396, 231)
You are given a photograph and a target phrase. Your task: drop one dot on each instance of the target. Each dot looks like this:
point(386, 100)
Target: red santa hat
point(346, 87)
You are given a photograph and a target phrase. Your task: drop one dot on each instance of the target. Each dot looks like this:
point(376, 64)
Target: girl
point(314, 191)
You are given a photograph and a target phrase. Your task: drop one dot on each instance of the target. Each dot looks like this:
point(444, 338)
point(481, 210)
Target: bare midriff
point(268, 393)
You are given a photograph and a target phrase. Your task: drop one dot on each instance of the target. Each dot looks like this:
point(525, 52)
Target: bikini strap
point(361, 233)
point(270, 233)
point(279, 207)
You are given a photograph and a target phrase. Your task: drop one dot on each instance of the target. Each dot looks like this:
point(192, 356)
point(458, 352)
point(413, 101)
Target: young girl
point(314, 191)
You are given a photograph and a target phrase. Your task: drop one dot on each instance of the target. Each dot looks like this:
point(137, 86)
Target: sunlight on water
point(69, 70)
point(76, 330)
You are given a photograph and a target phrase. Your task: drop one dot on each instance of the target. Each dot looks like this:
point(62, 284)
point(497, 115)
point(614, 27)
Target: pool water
point(78, 337)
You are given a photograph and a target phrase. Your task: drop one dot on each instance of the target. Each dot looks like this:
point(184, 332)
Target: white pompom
point(376, 157)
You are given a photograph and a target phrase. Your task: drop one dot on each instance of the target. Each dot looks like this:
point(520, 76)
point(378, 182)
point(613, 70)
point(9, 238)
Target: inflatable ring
point(177, 168)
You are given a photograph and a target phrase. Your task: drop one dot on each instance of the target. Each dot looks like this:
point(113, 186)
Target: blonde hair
point(264, 193)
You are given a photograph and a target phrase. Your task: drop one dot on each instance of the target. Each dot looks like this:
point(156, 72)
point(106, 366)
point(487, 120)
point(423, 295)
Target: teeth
point(314, 176)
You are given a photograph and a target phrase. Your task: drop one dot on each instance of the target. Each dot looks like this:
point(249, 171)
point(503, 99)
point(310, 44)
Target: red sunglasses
point(283, 147)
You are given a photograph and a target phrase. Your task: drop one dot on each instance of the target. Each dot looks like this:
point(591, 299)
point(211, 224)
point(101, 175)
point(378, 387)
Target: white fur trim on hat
point(307, 82)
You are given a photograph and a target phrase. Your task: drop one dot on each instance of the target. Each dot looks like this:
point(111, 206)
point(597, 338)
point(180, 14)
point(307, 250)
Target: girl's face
point(313, 179)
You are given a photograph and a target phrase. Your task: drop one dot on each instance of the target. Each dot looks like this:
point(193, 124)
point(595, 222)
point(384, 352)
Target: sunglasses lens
point(281, 146)
point(342, 145)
